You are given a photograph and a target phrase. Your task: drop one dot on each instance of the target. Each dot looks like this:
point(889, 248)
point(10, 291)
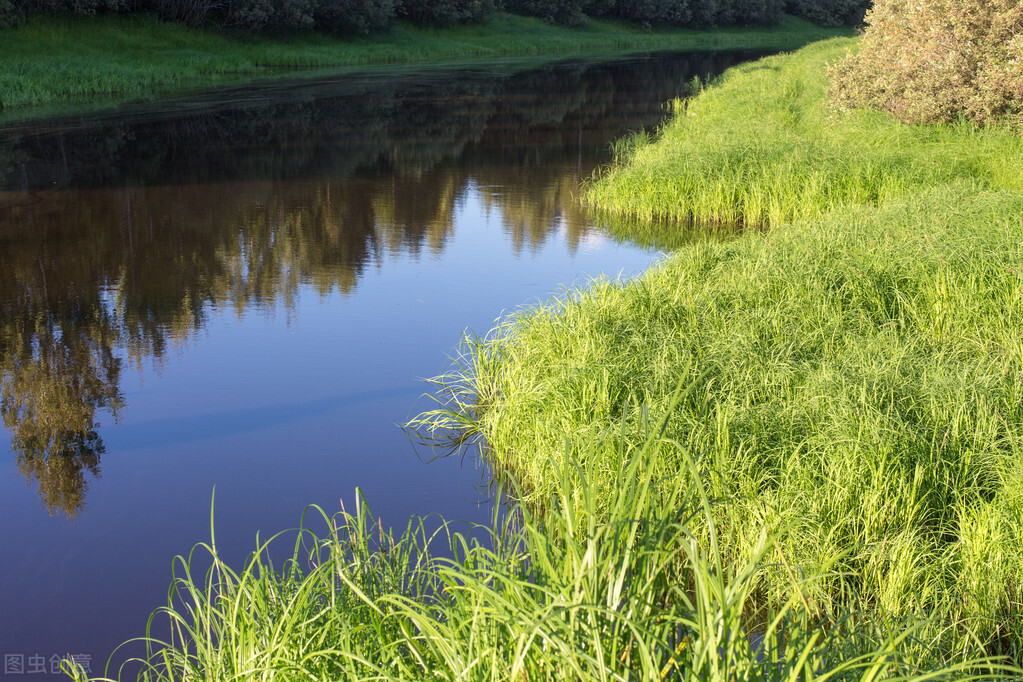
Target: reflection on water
point(120, 237)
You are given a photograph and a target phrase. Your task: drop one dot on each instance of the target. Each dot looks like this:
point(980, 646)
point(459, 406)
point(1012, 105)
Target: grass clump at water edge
point(763, 147)
point(598, 587)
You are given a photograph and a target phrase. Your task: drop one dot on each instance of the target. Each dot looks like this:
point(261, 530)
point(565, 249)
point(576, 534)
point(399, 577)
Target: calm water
point(245, 292)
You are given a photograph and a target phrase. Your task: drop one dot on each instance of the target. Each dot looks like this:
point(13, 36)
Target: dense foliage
point(695, 13)
point(444, 11)
point(365, 16)
point(938, 61)
point(568, 12)
point(829, 12)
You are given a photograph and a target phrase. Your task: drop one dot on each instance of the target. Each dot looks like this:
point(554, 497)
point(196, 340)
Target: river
point(244, 290)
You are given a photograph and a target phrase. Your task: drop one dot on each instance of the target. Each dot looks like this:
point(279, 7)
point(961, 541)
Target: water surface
point(244, 291)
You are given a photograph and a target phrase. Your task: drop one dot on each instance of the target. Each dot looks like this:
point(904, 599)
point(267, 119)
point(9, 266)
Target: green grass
point(857, 372)
point(762, 148)
point(563, 596)
point(62, 60)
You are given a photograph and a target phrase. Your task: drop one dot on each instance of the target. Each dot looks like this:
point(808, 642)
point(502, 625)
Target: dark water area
point(244, 291)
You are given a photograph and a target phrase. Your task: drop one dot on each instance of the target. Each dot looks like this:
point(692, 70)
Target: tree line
point(356, 17)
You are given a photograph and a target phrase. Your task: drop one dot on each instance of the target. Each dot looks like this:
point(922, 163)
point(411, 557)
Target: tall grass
point(53, 60)
point(762, 147)
point(860, 369)
point(860, 382)
point(600, 587)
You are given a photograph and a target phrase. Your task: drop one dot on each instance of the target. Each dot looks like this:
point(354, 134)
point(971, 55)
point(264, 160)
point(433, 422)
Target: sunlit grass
point(599, 587)
point(860, 383)
point(762, 147)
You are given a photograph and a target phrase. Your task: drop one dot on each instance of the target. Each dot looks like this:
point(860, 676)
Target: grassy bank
point(762, 148)
point(52, 60)
point(557, 597)
point(857, 370)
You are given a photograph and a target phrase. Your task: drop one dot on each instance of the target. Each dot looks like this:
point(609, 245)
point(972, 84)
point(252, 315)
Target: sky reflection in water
point(247, 292)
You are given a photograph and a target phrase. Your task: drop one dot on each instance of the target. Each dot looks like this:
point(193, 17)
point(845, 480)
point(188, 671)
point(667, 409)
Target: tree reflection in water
point(121, 236)
point(56, 374)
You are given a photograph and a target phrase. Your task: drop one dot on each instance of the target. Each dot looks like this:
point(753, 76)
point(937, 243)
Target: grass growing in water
point(599, 588)
point(761, 147)
point(859, 370)
point(74, 60)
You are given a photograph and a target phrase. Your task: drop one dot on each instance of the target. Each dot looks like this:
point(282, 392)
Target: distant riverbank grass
point(859, 371)
point(79, 59)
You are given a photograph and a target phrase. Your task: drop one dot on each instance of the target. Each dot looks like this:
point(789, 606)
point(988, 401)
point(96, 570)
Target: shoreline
point(55, 65)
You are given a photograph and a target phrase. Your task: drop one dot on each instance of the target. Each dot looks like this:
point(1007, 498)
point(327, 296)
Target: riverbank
point(552, 596)
point(68, 62)
point(857, 368)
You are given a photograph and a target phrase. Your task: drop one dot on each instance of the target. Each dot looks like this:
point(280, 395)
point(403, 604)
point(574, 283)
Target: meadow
point(603, 585)
point(763, 148)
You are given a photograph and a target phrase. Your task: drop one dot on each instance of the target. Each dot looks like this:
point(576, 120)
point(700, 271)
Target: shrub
point(938, 61)
point(274, 15)
point(354, 16)
point(78, 7)
point(190, 12)
point(599, 8)
point(755, 11)
point(698, 13)
point(706, 13)
point(565, 12)
point(443, 12)
point(656, 11)
point(9, 14)
point(829, 12)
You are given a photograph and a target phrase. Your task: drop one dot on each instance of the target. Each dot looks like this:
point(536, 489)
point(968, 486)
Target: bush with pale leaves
point(929, 61)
